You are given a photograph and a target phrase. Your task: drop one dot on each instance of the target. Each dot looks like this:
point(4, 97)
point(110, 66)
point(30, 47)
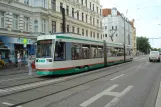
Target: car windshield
point(44, 49)
point(154, 53)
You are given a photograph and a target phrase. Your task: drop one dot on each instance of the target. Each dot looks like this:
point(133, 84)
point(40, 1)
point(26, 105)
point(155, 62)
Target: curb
point(158, 101)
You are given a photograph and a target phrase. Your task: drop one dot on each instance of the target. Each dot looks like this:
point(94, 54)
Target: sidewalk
point(10, 71)
point(158, 101)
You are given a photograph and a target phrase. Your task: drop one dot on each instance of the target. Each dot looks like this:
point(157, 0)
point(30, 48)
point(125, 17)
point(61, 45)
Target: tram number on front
point(43, 61)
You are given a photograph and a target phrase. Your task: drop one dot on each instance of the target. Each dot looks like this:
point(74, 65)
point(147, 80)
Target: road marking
point(118, 97)
point(88, 102)
point(28, 85)
point(9, 104)
point(139, 66)
point(107, 92)
point(117, 77)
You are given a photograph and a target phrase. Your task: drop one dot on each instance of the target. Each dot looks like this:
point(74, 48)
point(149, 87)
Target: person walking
point(19, 61)
point(29, 65)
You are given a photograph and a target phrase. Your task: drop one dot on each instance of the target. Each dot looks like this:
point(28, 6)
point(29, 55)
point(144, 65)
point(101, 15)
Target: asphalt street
point(133, 84)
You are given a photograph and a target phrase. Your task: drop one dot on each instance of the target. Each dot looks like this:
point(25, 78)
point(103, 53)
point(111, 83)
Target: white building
point(113, 27)
point(21, 19)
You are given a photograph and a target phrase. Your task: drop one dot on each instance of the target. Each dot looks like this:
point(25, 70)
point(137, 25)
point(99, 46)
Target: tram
point(61, 54)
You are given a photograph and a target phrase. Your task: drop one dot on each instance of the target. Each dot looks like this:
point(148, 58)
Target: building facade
point(23, 20)
point(134, 44)
point(116, 26)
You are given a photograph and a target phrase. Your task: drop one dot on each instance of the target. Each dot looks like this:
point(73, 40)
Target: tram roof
point(76, 37)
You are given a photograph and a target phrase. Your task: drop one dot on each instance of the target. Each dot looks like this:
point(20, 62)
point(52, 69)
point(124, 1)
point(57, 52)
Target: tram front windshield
point(44, 48)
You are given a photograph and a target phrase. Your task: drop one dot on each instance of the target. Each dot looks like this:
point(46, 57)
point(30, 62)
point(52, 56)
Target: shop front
point(10, 46)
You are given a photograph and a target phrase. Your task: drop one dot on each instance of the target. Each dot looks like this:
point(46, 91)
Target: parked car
point(154, 56)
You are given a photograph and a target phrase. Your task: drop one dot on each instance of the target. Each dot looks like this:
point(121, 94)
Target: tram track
point(68, 88)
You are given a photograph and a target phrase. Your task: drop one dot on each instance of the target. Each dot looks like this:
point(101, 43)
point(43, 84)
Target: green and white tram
point(71, 53)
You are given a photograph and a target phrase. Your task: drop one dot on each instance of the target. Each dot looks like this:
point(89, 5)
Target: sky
point(147, 15)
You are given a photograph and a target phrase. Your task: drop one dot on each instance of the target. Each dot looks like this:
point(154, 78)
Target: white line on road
point(139, 66)
point(29, 85)
point(9, 104)
point(117, 77)
point(117, 98)
point(158, 101)
point(88, 102)
point(117, 95)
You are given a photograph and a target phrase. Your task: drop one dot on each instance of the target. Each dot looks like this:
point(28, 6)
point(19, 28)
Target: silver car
point(154, 56)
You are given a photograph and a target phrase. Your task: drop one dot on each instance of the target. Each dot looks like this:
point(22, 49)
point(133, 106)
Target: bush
point(2, 63)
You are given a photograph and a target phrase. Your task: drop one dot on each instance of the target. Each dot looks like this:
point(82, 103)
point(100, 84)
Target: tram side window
point(100, 53)
point(85, 53)
point(76, 53)
point(59, 51)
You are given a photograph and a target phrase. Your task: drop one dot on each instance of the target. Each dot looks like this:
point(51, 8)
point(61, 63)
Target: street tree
point(143, 44)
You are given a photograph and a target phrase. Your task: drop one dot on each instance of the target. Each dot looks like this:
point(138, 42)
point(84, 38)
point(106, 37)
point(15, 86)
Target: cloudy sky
point(147, 15)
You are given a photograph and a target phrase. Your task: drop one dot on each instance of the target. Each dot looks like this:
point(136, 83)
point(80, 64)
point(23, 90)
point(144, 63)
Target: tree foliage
point(143, 44)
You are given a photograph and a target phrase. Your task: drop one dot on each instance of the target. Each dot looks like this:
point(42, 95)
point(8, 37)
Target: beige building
point(134, 44)
point(30, 18)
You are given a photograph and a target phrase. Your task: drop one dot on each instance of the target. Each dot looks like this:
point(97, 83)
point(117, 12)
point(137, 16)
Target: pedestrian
point(30, 65)
point(0, 56)
point(19, 60)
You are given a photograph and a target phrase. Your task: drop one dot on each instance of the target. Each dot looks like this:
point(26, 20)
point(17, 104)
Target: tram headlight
point(37, 60)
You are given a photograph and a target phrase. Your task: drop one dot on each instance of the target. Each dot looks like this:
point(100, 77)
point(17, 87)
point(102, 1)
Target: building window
point(112, 27)
point(105, 35)
point(43, 25)
point(86, 18)
point(82, 2)
point(94, 21)
point(90, 20)
point(91, 34)
point(67, 28)
point(73, 29)
point(97, 22)
point(83, 32)
point(116, 34)
point(35, 26)
point(53, 26)
point(101, 36)
point(26, 24)
point(78, 30)
point(36, 3)
point(73, 12)
point(86, 3)
point(86, 32)
point(2, 19)
point(100, 12)
point(26, 2)
point(53, 4)
point(78, 1)
point(90, 5)
point(93, 7)
point(82, 17)
point(105, 27)
point(67, 9)
point(61, 27)
point(15, 22)
point(61, 7)
point(78, 15)
point(100, 24)
point(97, 9)
point(98, 35)
point(43, 3)
point(116, 27)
